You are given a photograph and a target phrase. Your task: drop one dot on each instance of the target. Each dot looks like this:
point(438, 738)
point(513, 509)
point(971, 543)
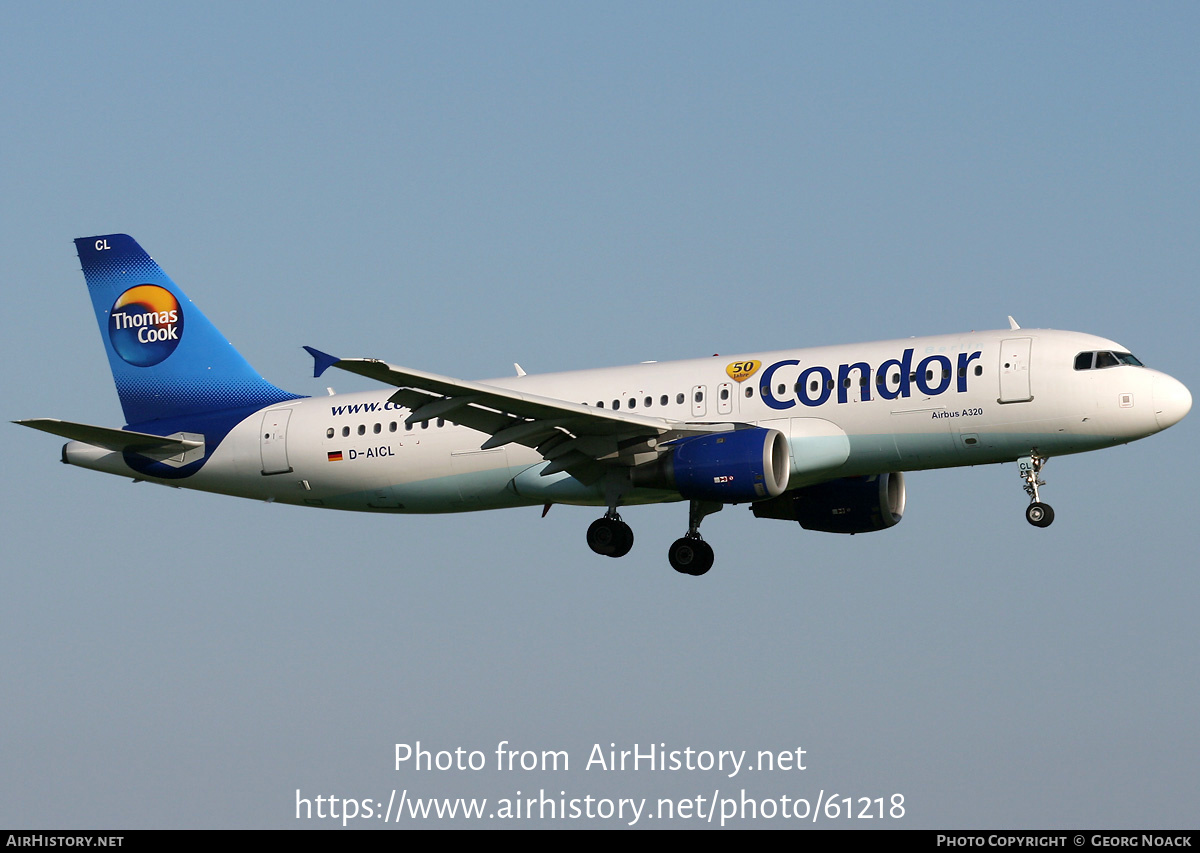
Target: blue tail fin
point(167, 359)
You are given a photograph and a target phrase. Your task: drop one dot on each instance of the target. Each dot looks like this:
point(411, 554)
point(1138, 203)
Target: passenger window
point(378, 429)
point(408, 427)
point(979, 370)
point(662, 401)
point(329, 433)
point(599, 404)
point(679, 399)
point(616, 404)
point(749, 392)
point(699, 396)
point(424, 424)
point(441, 422)
point(392, 426)
point(648, 402)
point(362, 429)
point(345, 431)
point(632, 403)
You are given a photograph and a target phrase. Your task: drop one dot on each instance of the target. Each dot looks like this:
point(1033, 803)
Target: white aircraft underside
point(818, 435)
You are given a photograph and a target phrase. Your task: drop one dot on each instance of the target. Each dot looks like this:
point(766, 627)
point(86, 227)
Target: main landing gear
point(690, 555)
point(1037, 513)
point(609, 536)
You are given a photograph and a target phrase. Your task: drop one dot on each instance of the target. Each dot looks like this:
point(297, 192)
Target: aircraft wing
point(579, 439)
point(118, 440)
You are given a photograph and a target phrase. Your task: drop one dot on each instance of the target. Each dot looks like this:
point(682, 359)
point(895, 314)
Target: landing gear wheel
point(1030, 467)
point(624, 540)
point(1039, 514)
point(610, 537)
point(690, 556)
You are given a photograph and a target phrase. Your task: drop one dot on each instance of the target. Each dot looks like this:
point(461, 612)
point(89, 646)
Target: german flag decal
point(335, 456)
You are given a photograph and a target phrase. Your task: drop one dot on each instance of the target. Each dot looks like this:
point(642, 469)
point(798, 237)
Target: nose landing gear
point(1030, 467)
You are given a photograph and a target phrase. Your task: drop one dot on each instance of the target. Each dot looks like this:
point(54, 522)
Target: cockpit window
point(1097, 360)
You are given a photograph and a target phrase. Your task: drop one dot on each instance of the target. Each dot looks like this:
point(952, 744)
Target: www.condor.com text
point(401, 807)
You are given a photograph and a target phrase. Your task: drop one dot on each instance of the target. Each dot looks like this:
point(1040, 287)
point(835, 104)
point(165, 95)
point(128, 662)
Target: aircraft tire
point(1039, 514)
point(610, 537)
point(623, 541)
point(690, 556)
point(600, 536)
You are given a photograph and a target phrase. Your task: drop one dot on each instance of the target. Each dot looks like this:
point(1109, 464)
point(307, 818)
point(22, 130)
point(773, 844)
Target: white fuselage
point(903, 405)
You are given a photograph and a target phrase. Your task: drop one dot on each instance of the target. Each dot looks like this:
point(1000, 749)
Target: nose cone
point(1172, 401)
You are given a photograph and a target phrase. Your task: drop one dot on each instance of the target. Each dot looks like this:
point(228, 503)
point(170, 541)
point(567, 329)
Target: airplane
point(821, 436)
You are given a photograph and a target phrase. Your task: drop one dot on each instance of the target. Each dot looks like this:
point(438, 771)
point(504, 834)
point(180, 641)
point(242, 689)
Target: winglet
point(322, 361)
point(1012, 324)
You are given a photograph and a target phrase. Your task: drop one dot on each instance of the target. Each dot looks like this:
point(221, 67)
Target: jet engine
point(849, 505)
point(731, 467)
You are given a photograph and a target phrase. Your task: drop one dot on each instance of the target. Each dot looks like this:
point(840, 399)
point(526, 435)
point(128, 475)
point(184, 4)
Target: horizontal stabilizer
point(118, 440)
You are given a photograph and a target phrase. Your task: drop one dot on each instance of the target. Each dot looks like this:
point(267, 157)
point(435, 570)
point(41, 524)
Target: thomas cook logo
point(145, 324)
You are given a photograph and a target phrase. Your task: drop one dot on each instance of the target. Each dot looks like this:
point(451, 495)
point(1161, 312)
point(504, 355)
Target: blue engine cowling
point(731, 467)
point(849, 505)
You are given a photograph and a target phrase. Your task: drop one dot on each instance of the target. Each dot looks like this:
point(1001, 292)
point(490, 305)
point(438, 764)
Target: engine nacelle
point(848, 505)
point(731, 467)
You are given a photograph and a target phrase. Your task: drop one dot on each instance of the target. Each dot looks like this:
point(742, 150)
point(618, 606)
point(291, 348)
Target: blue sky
point(460, 186)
